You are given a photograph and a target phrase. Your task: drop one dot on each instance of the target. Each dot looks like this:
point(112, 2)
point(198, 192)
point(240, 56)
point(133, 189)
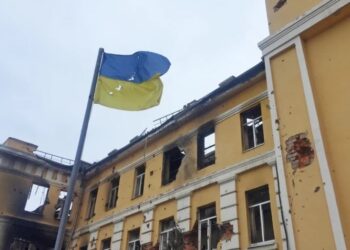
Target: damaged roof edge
point(232, 83)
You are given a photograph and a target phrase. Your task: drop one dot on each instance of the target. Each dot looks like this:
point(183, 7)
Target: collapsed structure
point(259, 163)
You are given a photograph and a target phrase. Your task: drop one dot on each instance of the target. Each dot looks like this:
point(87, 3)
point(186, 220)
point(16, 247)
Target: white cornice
point(315, 15)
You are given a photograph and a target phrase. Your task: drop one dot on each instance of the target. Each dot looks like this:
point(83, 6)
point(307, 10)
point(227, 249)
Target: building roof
point(190, 110)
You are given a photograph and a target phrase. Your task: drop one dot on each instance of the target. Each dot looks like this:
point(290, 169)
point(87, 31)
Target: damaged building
point(34, 184)
point(258, 163)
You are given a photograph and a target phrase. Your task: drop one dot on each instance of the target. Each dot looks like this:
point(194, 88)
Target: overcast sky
point(48, 54)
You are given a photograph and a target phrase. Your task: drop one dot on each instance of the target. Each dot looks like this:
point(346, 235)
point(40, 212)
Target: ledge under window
point(267, 245)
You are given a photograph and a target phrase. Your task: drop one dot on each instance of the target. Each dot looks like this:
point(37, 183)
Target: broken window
point(134, 240)
point(206, 146)
point(60, 204)
point(83, 248)
point(139, 181)
point(167, 234)
point(106, 244)
point(259, 215)
point(92, 203)
point(36, 199)
point(113, 193)
point(208, 232)
point(171, 163)
point(252, 128)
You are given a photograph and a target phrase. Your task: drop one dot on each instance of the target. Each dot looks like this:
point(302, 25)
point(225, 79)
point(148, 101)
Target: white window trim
point(167, 234)
point(132, 243)
point(260, 204)
point(139, 180)
point(254, 134)
point(208, 222)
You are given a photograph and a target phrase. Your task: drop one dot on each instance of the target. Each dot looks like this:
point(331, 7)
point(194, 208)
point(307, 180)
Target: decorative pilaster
point(93, 240)
point(117, 235)
point(147, 227)
point(228, 207)
point(184, 212)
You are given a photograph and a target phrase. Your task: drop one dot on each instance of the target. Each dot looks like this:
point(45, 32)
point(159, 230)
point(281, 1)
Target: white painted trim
point(182, 191)
point(309, 19)
point(333, 210)
point(278, 153)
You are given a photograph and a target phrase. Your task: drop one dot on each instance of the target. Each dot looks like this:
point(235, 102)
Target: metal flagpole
point(77, 161)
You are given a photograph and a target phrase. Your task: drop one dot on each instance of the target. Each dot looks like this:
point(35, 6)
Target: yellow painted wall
point(161, 212)
point(130, 223)
point(305, 188)
point(247, 181)
point(289, 12)
point(328, 60)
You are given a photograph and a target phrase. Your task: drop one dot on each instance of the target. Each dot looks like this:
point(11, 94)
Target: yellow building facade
point(259, 163)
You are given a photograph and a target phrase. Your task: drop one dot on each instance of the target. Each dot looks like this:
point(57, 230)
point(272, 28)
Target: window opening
point(208, 232)
point(106, 244)
point(92, 203)
point(60, 204)
point(134, 240)
point(36, 199)
point(167, 234)
point(260, 217)
point(83, 248)
point(206, 146)
point(171, 163)
point(139, 181)
point(252, 128)
point(113, 193)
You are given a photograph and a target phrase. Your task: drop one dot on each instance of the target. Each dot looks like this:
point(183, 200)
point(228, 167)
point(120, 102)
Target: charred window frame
point(252, 128)
point(113, 193)
point(172, 159)
point(134, 239)
point(139, 181)
point(206, 145)
point(60, 204)
point(36, 199)
point(259, 215)
point(106, 244)
point(92, 203)
point(167, 234)
point(208, 233)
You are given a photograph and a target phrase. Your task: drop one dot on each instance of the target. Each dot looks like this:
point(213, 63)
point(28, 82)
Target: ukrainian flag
point(131, 82)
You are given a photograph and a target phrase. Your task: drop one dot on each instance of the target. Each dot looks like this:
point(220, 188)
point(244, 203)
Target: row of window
point(252, 136)
point(170, 237)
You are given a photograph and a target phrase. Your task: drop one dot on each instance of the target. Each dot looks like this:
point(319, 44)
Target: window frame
point(42, 206)
point(139, 188)
point(258, 119)
point(104, 241)
point(166, 232)
point(209, 222)
point(133, 243)
point(259, 204)
point(203, 159)
point(92, 203)
point(113, 193)
point(167, 178)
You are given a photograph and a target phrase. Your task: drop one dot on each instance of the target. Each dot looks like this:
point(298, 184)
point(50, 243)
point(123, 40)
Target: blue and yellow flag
point(131, 82)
